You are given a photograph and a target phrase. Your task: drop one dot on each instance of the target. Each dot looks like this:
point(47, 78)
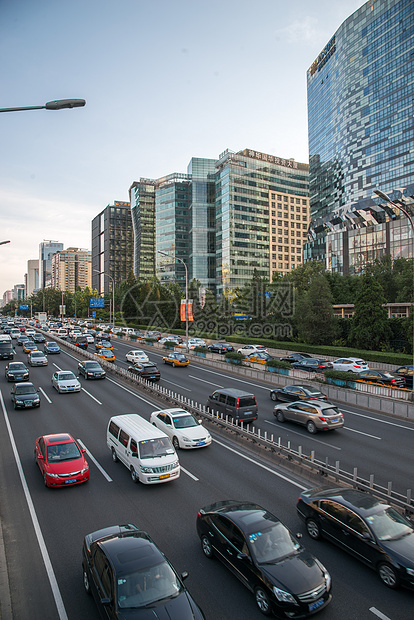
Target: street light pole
point(408, 215)
point(186, 295)
point(4, 242)
point(113, 296)
point(59, 104)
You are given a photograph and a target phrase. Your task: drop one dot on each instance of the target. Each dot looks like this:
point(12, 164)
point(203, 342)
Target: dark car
point(91, 370)
point(22, 338)
point(267, 558)
point(38, 338)
point(407, 373)
point(291, 393)
point(382, 377)
point(80, 341)
point(295, 357)
point(24, 395)
point(146, 370)
point(51, 347)
point(364, 526)
point(129, 577)
point(312, 365)
point(220, 347)
point(16, 371)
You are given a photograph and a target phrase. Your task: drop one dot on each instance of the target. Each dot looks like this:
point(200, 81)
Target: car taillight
point(392, 380)
point(356, 366)
point(321, 417)
point(237, 403)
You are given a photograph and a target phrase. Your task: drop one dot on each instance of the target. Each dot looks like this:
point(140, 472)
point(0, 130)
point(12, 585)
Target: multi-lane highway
point(43, 528)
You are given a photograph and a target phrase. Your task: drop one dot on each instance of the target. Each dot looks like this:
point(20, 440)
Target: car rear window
point(247, 401)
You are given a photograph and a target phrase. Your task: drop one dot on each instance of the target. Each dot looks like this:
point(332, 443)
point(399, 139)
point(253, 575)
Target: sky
point(163, 80)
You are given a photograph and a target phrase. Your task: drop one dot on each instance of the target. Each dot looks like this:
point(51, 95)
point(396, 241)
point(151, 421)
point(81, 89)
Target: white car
point(252, 348)
point(137, 356)
point(182, 428)
point(30, 332)
point(37, 358)
point(65, 381)
point(90, 339)
point(351, 364)
point(196, 342)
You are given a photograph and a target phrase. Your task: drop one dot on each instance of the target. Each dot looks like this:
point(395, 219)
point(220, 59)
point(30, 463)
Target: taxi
point(106, 354)
point(176, 359)
point(258, 358)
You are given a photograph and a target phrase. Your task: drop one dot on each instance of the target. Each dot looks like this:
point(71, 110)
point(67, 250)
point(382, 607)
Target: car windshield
point(153, 448)
point(66, 376)
point(92, 365)
point(150, 368)
point(388, 524)
point(272, 542)
point(37, 354)
point(185, 421)
point(247, 401)
point(180, 357)
point(147, 586)
point(25, 389)
point(17, 366)
point(330, 411)
point(63, 452)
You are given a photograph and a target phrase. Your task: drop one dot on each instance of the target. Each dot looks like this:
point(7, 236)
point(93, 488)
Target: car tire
point(175, 443)
point(263, 601)
point(313, 529)
point(134, 475)
point(388, 576)
point(86, 582)
point(114, 456)
point(279, 416)
point(206, 547)
point(311, 427)
point(273, 396)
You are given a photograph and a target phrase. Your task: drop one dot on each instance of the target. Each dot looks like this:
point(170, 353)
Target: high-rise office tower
point(46, 251)
point(361, 130)
point(71, 268)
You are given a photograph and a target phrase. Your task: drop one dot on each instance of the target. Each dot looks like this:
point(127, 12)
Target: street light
point(59, 104)
point(186, 295)
point(113, 296)
point(408, 215)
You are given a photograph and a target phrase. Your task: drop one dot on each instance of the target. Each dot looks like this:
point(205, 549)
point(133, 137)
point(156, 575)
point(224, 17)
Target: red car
point(61, 460)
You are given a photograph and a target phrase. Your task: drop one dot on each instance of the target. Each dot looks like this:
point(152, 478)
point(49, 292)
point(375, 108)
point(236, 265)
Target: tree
point(315, 320)
point(370, 329)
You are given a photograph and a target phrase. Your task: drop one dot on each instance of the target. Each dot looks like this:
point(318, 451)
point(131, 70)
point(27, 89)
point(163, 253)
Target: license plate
point(28, 403)
point(334, 420)
point(164, 476)
point(317, 604)
point(200, 443)
point(247, 413)
point(71, 481)
point(152, 377)
point(70, 389)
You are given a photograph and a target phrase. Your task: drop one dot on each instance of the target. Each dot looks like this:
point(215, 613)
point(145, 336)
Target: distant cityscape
point(249, 212)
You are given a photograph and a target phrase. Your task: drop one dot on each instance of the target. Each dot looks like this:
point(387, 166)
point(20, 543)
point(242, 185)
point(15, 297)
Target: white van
point(144, 449)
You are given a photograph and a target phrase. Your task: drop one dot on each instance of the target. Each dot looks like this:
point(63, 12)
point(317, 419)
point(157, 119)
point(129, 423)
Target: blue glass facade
point(361, 113)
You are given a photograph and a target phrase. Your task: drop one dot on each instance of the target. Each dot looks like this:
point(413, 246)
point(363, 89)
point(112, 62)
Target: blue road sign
point(97, 302)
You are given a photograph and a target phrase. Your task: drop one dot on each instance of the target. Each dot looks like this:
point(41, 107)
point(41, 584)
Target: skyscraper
point(46, 251)
point(361, 123)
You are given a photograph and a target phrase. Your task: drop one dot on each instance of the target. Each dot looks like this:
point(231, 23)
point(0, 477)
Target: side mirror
point(184, 575)
point(83, 450)
point(200, 421)
point(298, 535)
point(39, 456)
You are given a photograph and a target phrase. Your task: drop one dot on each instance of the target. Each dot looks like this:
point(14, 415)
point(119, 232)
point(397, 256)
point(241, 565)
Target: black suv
point(80, 341)
point(146, 370)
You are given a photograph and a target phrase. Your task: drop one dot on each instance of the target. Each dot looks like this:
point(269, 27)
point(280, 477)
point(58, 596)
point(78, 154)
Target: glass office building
point(361, 119)
point(142, 199)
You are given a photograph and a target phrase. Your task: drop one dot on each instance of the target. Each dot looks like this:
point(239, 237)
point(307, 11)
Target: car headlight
point(147, 470)
point(410, 571)
point(283, 597)
point(84, 469)
point(52, 475)
point(19, 402)
point(328, 580)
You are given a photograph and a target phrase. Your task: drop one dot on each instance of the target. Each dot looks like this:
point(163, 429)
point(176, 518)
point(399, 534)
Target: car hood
point(181, 607)
point(34, 396)
point(193, 432)
point(401, 549)
point(66, 467)
point(297, 573)
point(69, 383)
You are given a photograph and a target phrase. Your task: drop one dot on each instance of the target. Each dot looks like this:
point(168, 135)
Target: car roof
point(24, 384)
point(234, 392)
point(56, 438)
point(131, 551)
point(244, 514)
point(176, 411)
point(362, 503)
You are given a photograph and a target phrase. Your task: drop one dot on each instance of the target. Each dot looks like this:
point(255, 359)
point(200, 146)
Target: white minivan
point(144, 449)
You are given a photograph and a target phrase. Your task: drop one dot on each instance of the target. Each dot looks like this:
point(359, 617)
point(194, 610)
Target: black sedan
point(364, 526)
point(295, 357)
point(291, 393)
point(382, 377)
point(220, 347)
point(91, 370)
point(24, 395)
point(16, 371)
point(39, 338)
point(267, 558)
point(51, 347)
point(406, 372)
point(146, 370)
point(129, 577)
point(312, 365)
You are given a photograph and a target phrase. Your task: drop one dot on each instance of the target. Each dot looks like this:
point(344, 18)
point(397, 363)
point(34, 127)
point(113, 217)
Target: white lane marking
point(45, 395)
point(56, 366)
point(95, 399)
point(101, 469)
point(353, 430)
point(233, 378)
point(272, 471)
point(43, 549)
point(204, 381)
point(369, 417)
point(177, 385)
point(379, 614)
point(189, 474)
point(312, 438)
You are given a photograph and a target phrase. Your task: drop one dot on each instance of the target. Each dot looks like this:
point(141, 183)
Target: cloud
point(302, 30)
